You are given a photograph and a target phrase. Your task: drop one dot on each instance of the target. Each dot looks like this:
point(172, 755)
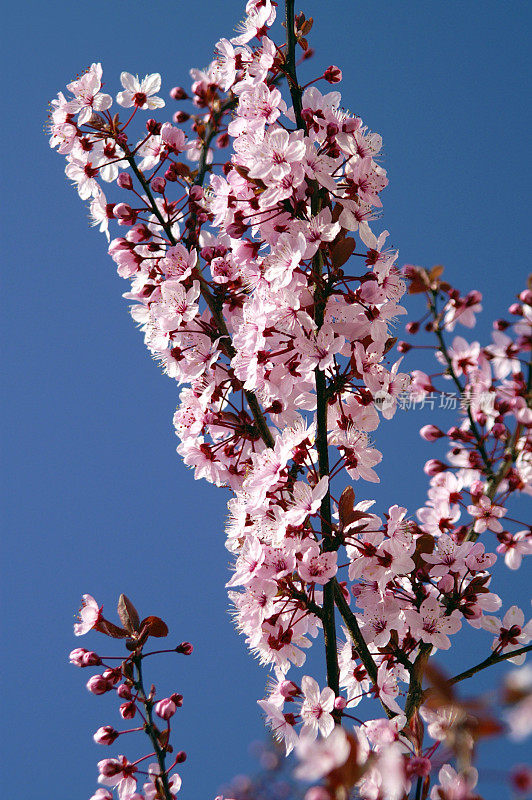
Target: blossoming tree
point(265, 291)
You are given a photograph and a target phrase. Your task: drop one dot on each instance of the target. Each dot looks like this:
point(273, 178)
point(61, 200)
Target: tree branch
point(493, 659)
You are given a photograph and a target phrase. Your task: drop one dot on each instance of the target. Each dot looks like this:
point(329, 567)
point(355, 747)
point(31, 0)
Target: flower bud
point(165, 709)
point(412, 327)
point(158, 185)
point(340, 703)
point(433, 467)
point(105, 735)
point(178, 93)
point(98, 685)
point(196, 193)
point(125, 214)
point(333, 74)
point(76, 656)
point(317, 793)
point(185, 647)
point(180, 117)
point(180, 757)
point(128, 710)
point(430, 433)
point(526, 297)
point(516, 309)
point(124, 691)
point(113, 675)
point(153, 127)
point(177, 699)
point(125, 180)
point(222, 140)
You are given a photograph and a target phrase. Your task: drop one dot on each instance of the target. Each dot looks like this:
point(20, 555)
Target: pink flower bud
point(158, 185)
point(178, 93)
point(333, 74)
point(76, 656)
point(196, 193)
point(185, 647)
point(153, 127)
point(125, 214)
point(516, 309)
point(434, 467)
point(91, 659)
point(105, 735)
point(180, 116)
point(499, 430)
point(501, 325)
point(317, 793)
point(412, 327)
point(165, 709)
point(98, 685)
point(340, 703)
point(526, 297)
point(128, 710)
point(222, 140)
point(180, 757)
point(113, 675)
point(124, 691)
point(430, 433)
point(125, 180)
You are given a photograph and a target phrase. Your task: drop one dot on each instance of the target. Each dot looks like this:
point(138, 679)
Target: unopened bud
point(153, 127)
point(105, 735)
point(165, 709)
point(526, 297)
point(317, 793)
point(333, 74)
point(403, 347)
point(185, 647)
point(412, 327)
point(222, 140)
point(340, 703)
point(516, 309)
point(124, 691)
point(128, 710)
point(158, 185)
point(434, 467)
point(180, 757)
point(178, 93)
point(430, 433)
point(125, 180)
point(180, 116)
point(98, 685)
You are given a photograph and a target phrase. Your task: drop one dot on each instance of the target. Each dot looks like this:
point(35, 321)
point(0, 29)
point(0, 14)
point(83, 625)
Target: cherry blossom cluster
point(262, 289)
point(132, 780)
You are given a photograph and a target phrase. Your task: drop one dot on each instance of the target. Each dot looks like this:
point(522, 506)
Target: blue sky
point(97, 500)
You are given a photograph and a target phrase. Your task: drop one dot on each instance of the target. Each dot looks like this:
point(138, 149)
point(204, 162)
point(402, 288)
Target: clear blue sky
point(96, 498)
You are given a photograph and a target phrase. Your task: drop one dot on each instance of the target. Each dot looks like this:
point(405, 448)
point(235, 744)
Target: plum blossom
point(316, 709)
point(141, 94)
point(89, 615)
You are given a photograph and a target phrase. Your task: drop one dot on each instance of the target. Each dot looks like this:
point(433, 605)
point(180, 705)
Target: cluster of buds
point(263, 290)
point(126, 681)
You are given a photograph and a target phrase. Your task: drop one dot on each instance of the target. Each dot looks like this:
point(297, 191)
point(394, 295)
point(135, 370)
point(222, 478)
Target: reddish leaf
point(104, 626)
point(342, 251)
point(128, 614)
point(154, 626)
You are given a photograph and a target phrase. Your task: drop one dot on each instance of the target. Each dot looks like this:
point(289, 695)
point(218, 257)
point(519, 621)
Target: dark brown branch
point(493, 659)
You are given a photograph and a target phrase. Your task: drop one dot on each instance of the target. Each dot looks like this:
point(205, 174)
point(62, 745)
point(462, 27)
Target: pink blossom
point(89, 615)
point(487, 515)
point(140, 94)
